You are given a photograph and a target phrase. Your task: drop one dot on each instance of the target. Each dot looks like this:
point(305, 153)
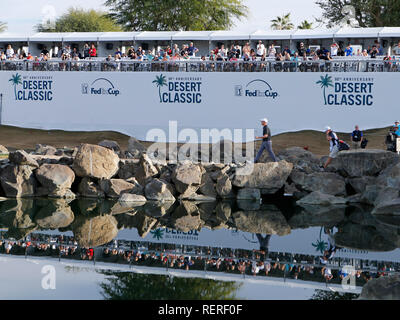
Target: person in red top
point(92, 51)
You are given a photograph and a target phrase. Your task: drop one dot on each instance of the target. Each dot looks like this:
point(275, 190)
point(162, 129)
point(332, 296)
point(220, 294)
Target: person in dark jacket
point(266, 142)
point(356, 138)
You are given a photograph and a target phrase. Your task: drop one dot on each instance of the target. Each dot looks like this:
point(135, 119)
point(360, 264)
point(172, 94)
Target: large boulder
point(266, 221)
point(268, 176)
point(388, 207)
point(135, 148)
point(114, 188)
point(303, 160)
point(362, 237)
point(224, 187)
point(186, 217)
point(321, 199)
point(390, 177)
point(130, 197)
point(90, 189)
point(146, 170)
point(95, 231)
point(56, 179)
point(128, 168)
point(325, 182)
point(18, 181)
point(366, 162)
point(248, 194)
point(317, 216)
point(45, 150)
point(187, 177)
point(20, 157)
point(158, 190)
point(360, 183)
point(3, 150)
point(207, 186)
point(112, 145)
point(56, 214)
point(95, 162)
point(382, 288)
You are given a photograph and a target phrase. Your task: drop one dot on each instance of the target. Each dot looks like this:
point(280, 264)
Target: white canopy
point(192, 35)
point(303, 34)
point(229, 35)
point(155, 35)
point(271, 35)
point(47, 37)
point(118, 36)
point(5, 37)
point(82, 36)
point(390, 32)
point(358, 33)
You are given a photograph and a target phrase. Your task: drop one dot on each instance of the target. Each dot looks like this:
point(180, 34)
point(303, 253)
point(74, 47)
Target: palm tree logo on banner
point(325, 82)
point(157, 234)
point(161, 82)
point(16, 80)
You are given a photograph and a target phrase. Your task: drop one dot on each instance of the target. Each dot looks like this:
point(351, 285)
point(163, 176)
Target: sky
point(21, 15)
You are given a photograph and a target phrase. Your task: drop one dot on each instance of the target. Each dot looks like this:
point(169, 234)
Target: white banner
point(134, 102)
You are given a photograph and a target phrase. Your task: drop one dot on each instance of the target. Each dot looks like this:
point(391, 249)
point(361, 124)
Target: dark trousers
point(266, 145)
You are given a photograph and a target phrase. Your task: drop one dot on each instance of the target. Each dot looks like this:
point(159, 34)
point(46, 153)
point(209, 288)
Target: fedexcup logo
point(100, 87)
point(256, 89)
point(179, 89)
point(347, 91)
point(34, 88)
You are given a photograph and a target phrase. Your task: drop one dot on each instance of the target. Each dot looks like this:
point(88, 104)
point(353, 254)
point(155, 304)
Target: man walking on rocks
point(266, 142)
point(333, 145)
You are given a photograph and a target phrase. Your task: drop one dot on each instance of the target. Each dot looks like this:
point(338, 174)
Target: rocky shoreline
point(370, 177)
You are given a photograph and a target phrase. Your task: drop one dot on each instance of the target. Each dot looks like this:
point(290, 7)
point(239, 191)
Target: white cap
point(327, 129)
point(264, 119)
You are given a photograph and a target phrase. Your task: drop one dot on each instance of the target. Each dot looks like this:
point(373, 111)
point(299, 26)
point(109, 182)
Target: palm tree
point(3, 26)
point(160, 81)
point(325, 82)
point(16, 80)
point(305, 25)
point(282, 23)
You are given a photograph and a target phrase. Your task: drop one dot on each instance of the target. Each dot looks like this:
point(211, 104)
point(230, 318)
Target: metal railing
point(336, 65)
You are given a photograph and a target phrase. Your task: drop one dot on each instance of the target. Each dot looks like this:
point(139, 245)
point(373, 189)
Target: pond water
point(92, 249)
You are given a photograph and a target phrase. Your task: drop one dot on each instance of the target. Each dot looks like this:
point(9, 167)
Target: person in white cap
point(333, 145)
point(266, 142)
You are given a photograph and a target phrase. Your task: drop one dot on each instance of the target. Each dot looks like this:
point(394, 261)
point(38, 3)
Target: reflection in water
point(95, 225)
point(133, 286)
point(329, 295)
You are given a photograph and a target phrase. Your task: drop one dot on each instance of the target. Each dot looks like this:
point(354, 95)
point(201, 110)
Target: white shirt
point(260, 49)
point(10, 52)
point(396, 50)
point(331, 145)
point(334, 50)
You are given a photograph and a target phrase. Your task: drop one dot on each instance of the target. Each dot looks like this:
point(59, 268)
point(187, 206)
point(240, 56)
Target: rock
point(207, 186)
point(157, 190)
point(3, 150)
point(371, 193)
point(325, 182)
point(382, 288)
point(247, 205)
point(143, 224)
point(44, 149)
point(56, 214)
point(268, 176)
point(303, 160)
point(356, 198)
point(223, 211)
point(366, 162)
point(129, 197)
point(248, 194)
point(360, 183)
point(90, 189)
point(55, 178)
point(94, 232)
point(317, 216)
point(198, 197)
point(187, 177)
point(146, 170)
point(114, 188)
point(20, 157)
point(157, 209)
point(385, 195)
point(186, 217)
point(267, 221)
point(95, 162)
point(18, 181)
point(112, 145)
point(390, 177)
point(135, 147)
point(319, 198)
point(362, 237)
point(224, 187)
point(388, 207)
point(128, 168)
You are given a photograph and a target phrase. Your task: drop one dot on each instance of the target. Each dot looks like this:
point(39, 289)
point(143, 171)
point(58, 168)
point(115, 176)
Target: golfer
point(333, 145)
point(266, 142)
